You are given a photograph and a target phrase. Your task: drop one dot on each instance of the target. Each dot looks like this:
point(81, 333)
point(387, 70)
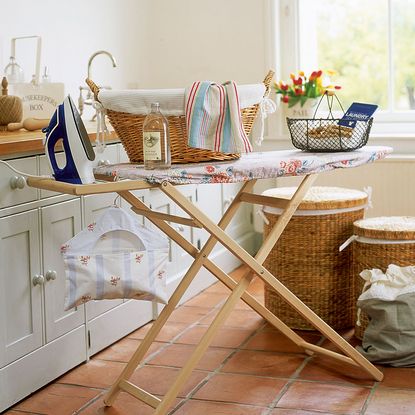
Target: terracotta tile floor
point(250, 369)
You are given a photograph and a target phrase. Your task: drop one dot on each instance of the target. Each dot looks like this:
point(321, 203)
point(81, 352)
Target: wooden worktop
point(22, 142)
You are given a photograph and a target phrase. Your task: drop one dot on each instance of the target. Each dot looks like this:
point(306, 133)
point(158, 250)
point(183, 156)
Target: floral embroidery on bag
point(210, 169)
point(84, 259)
point(114, 280)
point(138, 258)
point(161, 273)
point(86, 298)
point(64, 248)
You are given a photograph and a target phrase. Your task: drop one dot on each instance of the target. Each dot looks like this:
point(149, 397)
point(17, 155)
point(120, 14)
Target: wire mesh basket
point(325, 134)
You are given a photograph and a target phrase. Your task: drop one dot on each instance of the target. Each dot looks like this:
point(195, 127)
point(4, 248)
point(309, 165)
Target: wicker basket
point(377, 247)
point(306, 258)
point(326, 135)
point(129, 128)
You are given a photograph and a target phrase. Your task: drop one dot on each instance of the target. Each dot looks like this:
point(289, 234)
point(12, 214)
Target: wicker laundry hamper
point(306, 258)
point(129, 129)
point(381, 241)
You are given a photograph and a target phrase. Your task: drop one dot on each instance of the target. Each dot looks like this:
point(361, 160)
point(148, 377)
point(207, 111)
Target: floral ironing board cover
point(257, 165)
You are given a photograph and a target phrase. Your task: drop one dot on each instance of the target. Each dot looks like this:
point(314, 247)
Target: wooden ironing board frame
point(201, 258)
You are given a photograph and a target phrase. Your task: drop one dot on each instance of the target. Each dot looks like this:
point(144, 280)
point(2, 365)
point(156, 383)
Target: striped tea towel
point(213, 118)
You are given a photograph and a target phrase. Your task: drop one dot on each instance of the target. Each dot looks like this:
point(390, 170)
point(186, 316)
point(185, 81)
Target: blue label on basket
point(357, 112)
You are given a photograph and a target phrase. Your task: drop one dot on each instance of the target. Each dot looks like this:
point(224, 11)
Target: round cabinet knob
point(17, 182)
point(103, 162)
point(51, 275)
point(228, 201)
point(180, 228)
point(38, 279)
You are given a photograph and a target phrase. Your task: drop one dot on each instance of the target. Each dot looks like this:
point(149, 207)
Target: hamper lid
point(386, 227)
point(321, 197)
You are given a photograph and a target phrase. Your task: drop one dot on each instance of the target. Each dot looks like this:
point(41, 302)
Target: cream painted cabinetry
point(35, 331)
point(20, 297)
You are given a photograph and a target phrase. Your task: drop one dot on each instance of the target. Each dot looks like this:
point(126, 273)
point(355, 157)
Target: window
point(370, 43)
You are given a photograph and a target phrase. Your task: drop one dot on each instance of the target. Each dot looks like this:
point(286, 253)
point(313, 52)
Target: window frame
point(286, 55)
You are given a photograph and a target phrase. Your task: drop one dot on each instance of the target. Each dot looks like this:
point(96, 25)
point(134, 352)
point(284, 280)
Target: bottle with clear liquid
point(156, 140)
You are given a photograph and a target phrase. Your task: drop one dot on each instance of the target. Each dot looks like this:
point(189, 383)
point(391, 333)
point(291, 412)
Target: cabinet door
point(20, 299)
point(242, 221)
point(160, 203)
point(60, 223)
point(94, 206)
point(209, 201)
point(181, 257)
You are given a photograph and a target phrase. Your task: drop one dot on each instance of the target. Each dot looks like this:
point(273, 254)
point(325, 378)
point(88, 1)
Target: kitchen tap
point(88, 100)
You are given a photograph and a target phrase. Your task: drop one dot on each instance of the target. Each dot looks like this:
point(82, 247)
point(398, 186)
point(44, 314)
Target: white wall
point(192, 40)
point(71, 31)
point(157, 43)
point(391, 181)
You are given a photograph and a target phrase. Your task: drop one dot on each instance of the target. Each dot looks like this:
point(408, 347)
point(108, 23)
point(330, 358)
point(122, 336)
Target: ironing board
point(124, 178)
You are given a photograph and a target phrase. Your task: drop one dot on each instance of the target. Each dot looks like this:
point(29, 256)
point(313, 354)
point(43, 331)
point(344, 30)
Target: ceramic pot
point(305, 111)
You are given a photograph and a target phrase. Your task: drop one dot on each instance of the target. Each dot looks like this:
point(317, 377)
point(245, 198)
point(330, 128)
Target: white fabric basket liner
point(388, 286)
point(278, 211)
point(172, 101)
point(365, 240)
point(115, 257)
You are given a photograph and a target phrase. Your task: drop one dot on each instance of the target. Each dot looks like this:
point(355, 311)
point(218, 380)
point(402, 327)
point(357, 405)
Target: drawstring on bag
point(266, 106)
point(368, 190)
point(102, 130)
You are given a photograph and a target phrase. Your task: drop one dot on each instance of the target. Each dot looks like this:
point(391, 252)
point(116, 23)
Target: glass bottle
point(156, 140)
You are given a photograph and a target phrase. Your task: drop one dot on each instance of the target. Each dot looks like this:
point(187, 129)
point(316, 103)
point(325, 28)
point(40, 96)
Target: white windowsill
point(402, 144)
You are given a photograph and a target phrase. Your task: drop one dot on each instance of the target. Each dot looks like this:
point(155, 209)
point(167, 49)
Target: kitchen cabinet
point(35, 331)
point(60, 222)
point(21, 329)
point(243, 220)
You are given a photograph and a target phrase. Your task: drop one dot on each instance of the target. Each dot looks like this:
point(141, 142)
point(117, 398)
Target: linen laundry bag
point(390, 304)
point(115, 257)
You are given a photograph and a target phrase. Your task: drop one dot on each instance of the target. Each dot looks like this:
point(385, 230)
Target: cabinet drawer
point(17, 193)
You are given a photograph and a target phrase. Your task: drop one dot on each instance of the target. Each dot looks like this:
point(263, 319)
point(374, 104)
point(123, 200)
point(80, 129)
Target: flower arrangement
point(302, 87)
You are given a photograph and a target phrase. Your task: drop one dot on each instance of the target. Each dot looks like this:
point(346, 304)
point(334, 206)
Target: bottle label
point(152, 145)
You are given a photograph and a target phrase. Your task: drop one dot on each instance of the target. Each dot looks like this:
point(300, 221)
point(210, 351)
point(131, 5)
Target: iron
point(67, 126)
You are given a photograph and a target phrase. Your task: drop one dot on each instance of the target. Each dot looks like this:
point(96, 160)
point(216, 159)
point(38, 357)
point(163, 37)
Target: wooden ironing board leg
point(174, 299)
point(238, 291)
point(267, 277)
point(203, 344)
point(216, 271)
